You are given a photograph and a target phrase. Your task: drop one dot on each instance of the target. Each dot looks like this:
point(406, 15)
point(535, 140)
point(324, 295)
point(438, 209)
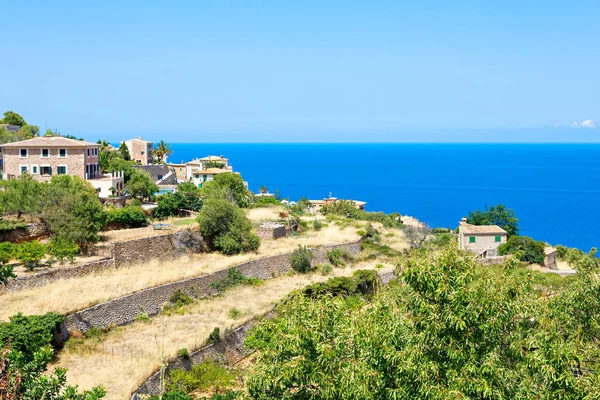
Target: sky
point(222, 71)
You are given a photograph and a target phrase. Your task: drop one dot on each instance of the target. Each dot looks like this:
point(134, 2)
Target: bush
point(317, 225)
point(143, 317)
point(215, 336)
point(226, 228)
point(339, 257)
point(301, 259)
point(6, 273)
point(266, 202)
point(233, 278)
point(347, 209)
point(30, 254)
point(234, 313)
point(126, 217)
point(28, 334)
point(8, 225)
point(7, 252)
point(62, 248)
point(324, 269)
point(179, 298)
point(524, 248)
point(362, 282)
point(183, 353)
point(207, 376)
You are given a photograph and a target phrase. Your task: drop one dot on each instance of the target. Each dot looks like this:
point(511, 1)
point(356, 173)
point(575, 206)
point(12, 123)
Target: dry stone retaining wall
point(125, 309)
point(36, 230)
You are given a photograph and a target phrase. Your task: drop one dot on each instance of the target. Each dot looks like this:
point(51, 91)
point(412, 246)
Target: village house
point(318, 204)
point(483, 240)
point(44, 157)
point(160, 174)
point(140, 150)
point(108, 185)
point(180, 171)
point(199, 164)
point(206, 175)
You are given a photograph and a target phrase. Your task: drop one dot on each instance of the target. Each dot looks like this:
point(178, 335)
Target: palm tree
point(162, 150)
point(263, 189)
point(104, 145)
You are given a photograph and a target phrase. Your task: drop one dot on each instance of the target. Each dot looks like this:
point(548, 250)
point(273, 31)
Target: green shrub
point(30, 254)
point(183, 353)
point(324, 269)
point(179, 298)
point(317, 225)
point(266, 202)
point(202, 377)
point(339, 257)
point(233, 278)
point(172, 395)
point(63, 248)
point(524, 248)
point(28, 334)
point(215, 336)
point(135, 203)
point(126, 217)
point(143, 317)
point(226, 228)
point(8, 225)
point(234, 313)
point(362, 282)
point(301, 259)
point(6, 273)
point(7, 252)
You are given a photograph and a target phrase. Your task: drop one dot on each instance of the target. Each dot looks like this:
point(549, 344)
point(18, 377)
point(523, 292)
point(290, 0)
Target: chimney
point(463, 221)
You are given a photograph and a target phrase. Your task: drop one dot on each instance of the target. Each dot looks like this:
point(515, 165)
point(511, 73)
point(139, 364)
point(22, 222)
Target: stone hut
point(483, 240)
point(550, 257)
point(271, 230)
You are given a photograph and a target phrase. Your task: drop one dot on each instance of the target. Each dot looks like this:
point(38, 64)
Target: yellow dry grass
point(264, 213)
point(68, 295)
point(129, 355)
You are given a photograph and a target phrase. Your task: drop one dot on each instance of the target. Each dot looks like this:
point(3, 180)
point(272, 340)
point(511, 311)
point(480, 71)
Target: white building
point(483, 240)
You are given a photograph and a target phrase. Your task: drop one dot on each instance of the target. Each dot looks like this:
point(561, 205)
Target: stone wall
point(125, 309)
point(229, 350)
point(44, 278)
point(36, 230)
point(271, 231)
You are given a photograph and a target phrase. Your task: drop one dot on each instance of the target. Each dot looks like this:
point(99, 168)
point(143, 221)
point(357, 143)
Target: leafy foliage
point(215, 336)
point(205, 376)
point(265, 202)
point(162, 151)
point(226, 228)
point(524, 248)
point(448, 329)
point(228, 186)
point(213, 164)
point(140, 185)
point(30, 254)
point(233, 278)
point(362, 282)
point(126, 217)
point(348, 209)
point(21, 196)
point(301, 259)
point(63, 248)
point(169, 204)
point(496, 215)
point(27, 334)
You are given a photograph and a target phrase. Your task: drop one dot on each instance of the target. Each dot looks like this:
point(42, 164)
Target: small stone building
point(550, 257)
point(271, 230)
point(483, 240)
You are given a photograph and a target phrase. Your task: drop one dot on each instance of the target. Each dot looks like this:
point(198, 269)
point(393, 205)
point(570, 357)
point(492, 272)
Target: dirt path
point(125, 357)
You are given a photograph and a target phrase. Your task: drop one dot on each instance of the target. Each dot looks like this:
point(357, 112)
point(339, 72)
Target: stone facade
point(33, 231)
point(45, 157)
point(550, 258)
point(271, 230)
point(125, 309)
point(140, 150)
point(483, 240)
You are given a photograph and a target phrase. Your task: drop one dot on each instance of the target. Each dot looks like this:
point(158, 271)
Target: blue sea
point(553, 188)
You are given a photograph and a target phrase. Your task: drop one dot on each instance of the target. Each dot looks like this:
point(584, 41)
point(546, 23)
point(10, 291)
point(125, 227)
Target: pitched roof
point(212, 171)
point(50, 141)
point(213, 158)
point(138, 139)
point(482, 229)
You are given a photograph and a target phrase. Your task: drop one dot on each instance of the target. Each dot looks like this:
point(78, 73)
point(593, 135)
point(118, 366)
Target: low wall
point(124, 310)
point(229, 350)
point(33, 231)
point(44, 278)
point(271, 231)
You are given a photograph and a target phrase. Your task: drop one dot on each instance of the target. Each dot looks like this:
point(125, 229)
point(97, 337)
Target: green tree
point(7, 253)
point(228, 186)
point(496, 215)
point(124, 152)
point(12, 118)
point(140, 185)
point(117, 163)
point(226, 228)
point(301, 259)
point(22, 195)
point(31, 254)
point(63, 248)
point(524, 248)
point(28, 380)
point(162, 151)
point(263, 189)
point(72, 210)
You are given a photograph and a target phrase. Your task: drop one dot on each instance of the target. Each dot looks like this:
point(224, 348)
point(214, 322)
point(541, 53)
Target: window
point(160, 177)
point(23, 153)
point(498, 239)
point(180, 169)
point(62, 153)
point(471, 239)
point(88, 152)
point(46, 170)
point(24, 169)
point(34, 169)
point(143, 152)
point(95, 152)
point(204, 178)
point(61, 170)
point(45, 153)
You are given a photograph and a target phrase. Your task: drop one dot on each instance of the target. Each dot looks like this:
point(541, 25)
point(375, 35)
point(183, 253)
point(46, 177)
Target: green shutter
point(471, 239)
point(498, 239)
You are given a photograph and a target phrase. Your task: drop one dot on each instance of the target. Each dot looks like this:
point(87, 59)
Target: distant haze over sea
point(553, 188)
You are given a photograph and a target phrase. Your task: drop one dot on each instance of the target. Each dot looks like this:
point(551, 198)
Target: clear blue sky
point(305, 70)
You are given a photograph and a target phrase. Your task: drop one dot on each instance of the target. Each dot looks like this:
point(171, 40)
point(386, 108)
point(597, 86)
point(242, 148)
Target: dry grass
point(124, 358)
point(68, 295)
point(264, 213)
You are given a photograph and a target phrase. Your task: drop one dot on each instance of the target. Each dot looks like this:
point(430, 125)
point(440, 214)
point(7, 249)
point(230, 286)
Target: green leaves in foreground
point(448, 329)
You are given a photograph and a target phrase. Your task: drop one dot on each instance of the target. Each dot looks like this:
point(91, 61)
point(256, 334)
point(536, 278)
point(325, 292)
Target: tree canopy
point(448, 329)
point(229, 186)
point(12, 118)
point(162, 151)
point(496, 215)
point(140, 185)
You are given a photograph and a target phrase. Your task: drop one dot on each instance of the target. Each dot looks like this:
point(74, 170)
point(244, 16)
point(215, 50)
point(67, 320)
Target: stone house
point(550, 257)
point(180, 171)
point(160, 174)
point(483, 240)
point(140, 150)
point(199, 177)
point(44, 157)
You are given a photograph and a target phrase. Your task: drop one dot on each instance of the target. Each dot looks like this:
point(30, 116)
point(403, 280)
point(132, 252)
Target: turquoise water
point(553, 188)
